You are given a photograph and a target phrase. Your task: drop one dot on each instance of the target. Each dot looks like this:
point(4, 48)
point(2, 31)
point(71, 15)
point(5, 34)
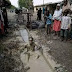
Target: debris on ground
point(60, 51)
point(37, 24)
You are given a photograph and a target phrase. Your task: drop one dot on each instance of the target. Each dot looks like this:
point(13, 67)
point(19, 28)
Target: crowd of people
point(3, 20)
point(60, 21)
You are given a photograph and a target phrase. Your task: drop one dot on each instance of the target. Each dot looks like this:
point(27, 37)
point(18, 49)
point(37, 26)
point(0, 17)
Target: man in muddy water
point(31, 49)
point(31, 46)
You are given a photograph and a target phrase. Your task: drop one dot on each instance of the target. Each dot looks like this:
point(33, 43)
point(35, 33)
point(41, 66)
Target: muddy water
point(36, 65)
point(24, 35)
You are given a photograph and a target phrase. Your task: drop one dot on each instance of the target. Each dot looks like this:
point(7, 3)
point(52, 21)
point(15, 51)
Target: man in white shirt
point(58, 13)
point(65, 25)
point(57, 19)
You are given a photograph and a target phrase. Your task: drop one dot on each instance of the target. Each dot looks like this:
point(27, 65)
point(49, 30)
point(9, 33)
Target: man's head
point(36, 8)
point(48, 12)
point(0, 3)
point(58, 6)
point(30, 40)
point(40, 9)
point(65, 2)
point(65, 13)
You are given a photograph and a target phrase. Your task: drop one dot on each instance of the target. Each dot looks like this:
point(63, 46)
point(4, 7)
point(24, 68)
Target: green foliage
point(9, 4)
point(13, 7)
point(25, 3)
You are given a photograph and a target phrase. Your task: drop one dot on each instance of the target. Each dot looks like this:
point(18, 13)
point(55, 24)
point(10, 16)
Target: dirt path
point(60, 51)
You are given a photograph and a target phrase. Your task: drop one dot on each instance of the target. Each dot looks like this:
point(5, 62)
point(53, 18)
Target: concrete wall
point(38, 8)
point(50, 7)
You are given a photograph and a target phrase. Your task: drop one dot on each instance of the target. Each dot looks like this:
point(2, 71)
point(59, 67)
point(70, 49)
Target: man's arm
point(69, 22)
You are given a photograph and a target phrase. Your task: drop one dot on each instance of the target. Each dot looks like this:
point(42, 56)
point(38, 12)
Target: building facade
point(51, 7)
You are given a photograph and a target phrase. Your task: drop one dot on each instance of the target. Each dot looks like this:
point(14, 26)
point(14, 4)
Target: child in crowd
point(65, 26)
point(1, 27)
point(5, 20)
point(1, 23)
point(48, 22)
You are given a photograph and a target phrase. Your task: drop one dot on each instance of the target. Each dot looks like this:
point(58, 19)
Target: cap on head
point(58, 5)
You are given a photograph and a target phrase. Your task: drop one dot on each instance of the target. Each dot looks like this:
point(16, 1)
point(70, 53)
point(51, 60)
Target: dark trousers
point(70, 34)
point(39, 17)
point(64, 33)
point(5, 29)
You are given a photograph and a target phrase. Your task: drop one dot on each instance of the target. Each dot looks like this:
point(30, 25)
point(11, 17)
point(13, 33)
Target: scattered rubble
point(37, 24)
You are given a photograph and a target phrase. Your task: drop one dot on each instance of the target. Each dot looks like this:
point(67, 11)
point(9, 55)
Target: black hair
point(65, 13)
point(48, 12)
point(40, 8)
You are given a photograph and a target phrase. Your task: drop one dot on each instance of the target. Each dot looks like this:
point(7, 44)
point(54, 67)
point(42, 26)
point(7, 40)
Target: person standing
point(43, 10)
point(39, 13)
point(66, 6)
point(65, 26)
point(48, 22)
point(57, 20)
point(45, 14)
point(1, 22)
point(5, 19)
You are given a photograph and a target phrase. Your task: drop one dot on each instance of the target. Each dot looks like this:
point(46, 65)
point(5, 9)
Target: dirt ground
point(60, 51)
point(10, 48)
